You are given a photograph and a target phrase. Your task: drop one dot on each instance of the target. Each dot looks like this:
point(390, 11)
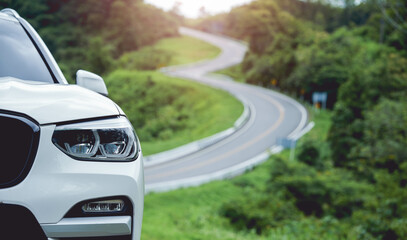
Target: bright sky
point(190, 8)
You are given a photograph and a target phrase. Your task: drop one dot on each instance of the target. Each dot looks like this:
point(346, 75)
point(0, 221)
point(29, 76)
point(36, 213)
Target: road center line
point(213, 147)
point(240, 148)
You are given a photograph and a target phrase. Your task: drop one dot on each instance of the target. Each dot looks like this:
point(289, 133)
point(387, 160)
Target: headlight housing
point(103, 140)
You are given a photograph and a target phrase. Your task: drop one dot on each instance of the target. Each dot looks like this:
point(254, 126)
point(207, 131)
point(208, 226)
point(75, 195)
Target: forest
point(357, 53)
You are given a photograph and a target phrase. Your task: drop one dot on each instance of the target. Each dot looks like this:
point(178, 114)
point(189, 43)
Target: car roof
point(5, 16)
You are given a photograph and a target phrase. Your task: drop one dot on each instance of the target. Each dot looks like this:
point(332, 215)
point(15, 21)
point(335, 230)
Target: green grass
point(193, 213)
point(173, 112)
point(169, 112)
point(323, 119)
point(186, 49)
point(234, 72)
point(168, 52)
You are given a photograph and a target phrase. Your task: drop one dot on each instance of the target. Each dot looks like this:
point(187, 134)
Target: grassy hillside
point(168, 52)
point(186, 49)
point(168, 112)
point(234, 72)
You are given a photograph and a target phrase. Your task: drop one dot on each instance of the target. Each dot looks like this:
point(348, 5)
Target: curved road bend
point(272, 116)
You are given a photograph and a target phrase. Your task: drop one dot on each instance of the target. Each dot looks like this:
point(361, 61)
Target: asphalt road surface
point(272, 116)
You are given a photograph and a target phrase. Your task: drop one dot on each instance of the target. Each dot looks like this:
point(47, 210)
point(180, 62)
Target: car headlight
point(102, 140)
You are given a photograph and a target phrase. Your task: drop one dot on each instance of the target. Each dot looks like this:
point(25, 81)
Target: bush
point(146, 59)
point(296, 189)
point(309, 154)
point(329, 193)
point(259, 212)
point(157, 109)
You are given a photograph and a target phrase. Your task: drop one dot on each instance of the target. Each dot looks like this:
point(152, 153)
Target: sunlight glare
point(191, 8)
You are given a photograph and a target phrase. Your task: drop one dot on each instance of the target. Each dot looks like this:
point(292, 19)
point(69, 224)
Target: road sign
point(288, 143)
point(320, 97)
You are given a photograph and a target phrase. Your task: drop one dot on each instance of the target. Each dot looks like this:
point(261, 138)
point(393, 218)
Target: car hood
point(53, 103)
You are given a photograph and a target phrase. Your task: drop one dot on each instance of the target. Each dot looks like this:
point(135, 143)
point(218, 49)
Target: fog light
point(107, 206)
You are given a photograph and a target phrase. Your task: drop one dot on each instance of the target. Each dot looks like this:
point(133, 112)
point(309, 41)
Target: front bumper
point(89, 227)
point(57, 182)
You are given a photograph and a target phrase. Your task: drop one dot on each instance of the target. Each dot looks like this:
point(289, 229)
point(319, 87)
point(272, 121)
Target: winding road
point(272, 116)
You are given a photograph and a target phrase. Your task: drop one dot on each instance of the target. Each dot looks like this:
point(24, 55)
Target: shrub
point(332, 192)
point(259, 212)
point(309, 154)
point(146, 59)
point(156, 107)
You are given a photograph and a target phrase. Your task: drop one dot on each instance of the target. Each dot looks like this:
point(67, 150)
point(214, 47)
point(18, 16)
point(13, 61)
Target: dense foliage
point(357, 54)
point(283, 199)
point(308, 46)
point(91, 34)
point(312, 189)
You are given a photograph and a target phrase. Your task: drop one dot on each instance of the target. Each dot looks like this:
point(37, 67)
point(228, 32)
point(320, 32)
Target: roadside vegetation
point(234, 72)
point(168, 52)
point(187, 49)
point(357, 53)
point(307, 198)
point(266, 203)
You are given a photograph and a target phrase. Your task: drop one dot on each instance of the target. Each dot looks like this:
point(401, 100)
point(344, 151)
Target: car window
point(18, 56)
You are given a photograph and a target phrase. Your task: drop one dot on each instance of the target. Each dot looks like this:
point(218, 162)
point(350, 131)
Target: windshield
point(18, 56)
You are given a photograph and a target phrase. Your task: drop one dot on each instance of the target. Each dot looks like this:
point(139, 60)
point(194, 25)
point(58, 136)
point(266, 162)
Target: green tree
point(383, 77)
point(89, 34)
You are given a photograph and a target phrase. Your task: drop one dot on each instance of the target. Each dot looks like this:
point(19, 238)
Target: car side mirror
point(91, 81)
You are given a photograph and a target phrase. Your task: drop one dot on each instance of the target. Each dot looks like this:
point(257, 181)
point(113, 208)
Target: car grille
point(19, 137)
point(14, 217)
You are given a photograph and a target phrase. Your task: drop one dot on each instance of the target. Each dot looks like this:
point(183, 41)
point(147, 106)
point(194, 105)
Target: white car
point(71, 166)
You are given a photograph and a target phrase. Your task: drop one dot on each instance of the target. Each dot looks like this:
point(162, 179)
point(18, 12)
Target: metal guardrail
point(225, 173)
point(193, 147)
